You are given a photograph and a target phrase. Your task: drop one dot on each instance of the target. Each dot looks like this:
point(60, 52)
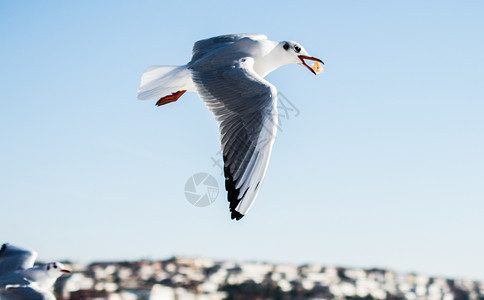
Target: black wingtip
point(4, 246)
point(232, 194)
point(236, 215)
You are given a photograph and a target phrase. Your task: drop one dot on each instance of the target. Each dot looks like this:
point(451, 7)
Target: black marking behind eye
point(286, 46)
point(48, 267)
point(297, 48)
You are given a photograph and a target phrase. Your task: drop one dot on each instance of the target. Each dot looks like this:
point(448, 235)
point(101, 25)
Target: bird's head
point(294, 53)
point(55, 269)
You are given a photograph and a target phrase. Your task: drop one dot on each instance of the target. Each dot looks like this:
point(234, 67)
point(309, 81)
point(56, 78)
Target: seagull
point(19, 279)
point(228, 74)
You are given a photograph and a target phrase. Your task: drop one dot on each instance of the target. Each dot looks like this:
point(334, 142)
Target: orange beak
point(303, 57)
point(65, 271)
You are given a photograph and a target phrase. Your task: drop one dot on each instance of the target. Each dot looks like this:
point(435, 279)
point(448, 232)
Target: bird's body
point(19, 279)
point(228, 73)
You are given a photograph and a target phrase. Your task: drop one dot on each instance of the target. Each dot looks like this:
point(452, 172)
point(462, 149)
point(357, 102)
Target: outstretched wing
point(30, 292)
point(14, 258)
point(203, 47)
point(244, 104)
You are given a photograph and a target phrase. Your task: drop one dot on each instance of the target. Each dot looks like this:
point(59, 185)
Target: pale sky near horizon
point(383, 166)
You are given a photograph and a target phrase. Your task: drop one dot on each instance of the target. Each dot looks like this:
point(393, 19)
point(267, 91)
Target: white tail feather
point(159, 81)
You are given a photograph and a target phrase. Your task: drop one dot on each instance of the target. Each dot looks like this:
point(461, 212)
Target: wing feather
point(245, 106)
point(26, 292)
point(14, 258)
point(203, 47)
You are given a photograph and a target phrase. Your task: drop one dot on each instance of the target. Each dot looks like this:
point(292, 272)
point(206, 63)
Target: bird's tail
point(159, 81)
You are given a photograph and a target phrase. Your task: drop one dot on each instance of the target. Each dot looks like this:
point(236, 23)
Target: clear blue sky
point(384, 165)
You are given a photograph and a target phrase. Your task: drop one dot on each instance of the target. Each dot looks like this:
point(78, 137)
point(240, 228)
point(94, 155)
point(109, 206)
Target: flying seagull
point(228, 74)
point(19, 279)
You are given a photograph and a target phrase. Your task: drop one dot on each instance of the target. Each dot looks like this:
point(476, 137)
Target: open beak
point(303, 57)
point(65, 271)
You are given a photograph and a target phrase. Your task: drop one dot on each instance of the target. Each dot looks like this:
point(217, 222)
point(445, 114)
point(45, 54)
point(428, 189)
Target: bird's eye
point(285, 46)
point(297, 48)
point(55, 266)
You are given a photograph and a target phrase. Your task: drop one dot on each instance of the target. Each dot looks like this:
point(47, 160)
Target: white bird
point(228, 74)
point(19, 279)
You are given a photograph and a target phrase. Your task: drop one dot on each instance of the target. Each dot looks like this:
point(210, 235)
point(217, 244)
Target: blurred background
point(378, 164)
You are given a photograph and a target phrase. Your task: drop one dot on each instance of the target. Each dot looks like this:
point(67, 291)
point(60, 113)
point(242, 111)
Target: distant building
point(184, 278)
